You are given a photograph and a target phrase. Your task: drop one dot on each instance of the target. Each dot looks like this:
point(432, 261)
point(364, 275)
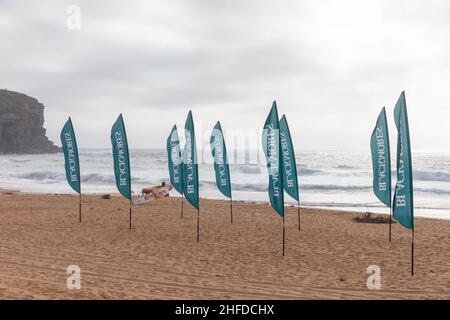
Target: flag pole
point(284, 235)
point(198, 224)
point(79, 215)
point(182, 207)
point(390, 224)
point(412, 251)
point(231, 209)
point(130, 214)
point(298, 211)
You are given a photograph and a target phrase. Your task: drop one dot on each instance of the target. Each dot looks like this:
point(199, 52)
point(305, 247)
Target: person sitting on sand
point(158, 191)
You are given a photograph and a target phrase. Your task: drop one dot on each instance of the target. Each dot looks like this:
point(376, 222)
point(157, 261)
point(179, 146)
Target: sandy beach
point(160, 258)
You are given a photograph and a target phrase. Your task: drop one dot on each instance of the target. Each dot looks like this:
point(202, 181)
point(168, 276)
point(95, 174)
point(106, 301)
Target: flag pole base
point(198, 225)
point(79, 214)
point(231, 210)
point(412, 252)
point(182, 206)
point(284, 237)
point(130, 213)
point(390, 225)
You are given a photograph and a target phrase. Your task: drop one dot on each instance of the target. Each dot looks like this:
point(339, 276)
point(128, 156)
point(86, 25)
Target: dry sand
point(160, 258)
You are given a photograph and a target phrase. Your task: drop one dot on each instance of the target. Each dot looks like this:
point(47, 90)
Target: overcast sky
point(331, 66)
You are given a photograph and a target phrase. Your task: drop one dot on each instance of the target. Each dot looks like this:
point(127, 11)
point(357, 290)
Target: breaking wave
point(345, 167)
point(92, 178)
point(431, 176)
point(306, 171)
point(433, 191)
point(42, 175)
point(20, 160)
point(249, 169)
point(98, 178)
point(255, 169)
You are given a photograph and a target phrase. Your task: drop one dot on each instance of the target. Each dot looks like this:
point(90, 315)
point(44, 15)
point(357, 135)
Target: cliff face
point(21, 125)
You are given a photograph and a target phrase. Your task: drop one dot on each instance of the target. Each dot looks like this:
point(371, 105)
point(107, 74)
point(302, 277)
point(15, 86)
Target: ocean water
point(338, 179)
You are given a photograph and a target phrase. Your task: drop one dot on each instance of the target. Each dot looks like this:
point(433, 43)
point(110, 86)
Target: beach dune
point(160, 259)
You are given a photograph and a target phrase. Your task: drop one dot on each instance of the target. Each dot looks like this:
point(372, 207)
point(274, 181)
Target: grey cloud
point(329, 66)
